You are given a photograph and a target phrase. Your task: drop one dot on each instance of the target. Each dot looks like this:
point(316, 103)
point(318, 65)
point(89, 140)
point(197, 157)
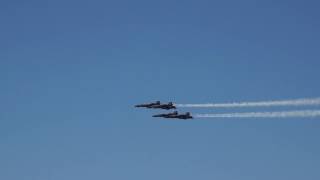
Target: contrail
point(280, 114)
point(293, 102)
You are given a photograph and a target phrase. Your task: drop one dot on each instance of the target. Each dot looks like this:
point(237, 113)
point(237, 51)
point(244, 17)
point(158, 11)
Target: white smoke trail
point(280, 114)
point(293, 102)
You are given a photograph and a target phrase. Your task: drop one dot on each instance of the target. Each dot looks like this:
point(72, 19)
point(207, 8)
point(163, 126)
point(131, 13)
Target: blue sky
point(71, 71)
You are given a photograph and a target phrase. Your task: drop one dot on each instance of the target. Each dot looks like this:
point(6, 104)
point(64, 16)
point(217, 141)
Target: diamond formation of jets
point(170, 105)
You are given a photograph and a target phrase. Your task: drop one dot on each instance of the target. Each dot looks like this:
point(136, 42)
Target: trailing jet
point(183, 116)
point(175, 115)
point(164, 106)
point(150, 105)
point(169, 115)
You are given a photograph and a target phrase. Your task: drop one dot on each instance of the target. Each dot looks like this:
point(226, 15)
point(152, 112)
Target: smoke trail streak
point(294, 102)
point(280, 114)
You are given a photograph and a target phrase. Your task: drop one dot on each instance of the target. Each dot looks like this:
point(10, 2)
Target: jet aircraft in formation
point(149, 105)
point(157, 105)
point(170, 105)
point(169, 115)
point(175, 115)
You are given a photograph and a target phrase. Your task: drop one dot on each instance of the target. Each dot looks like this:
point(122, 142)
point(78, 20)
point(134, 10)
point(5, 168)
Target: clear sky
point(71, 71)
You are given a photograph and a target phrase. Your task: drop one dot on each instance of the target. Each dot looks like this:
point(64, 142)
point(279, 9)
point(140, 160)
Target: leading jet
point(164, 106)
point(150, 105)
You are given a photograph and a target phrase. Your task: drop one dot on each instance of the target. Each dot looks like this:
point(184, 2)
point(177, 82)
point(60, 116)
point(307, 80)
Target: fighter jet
point(150, 105)
point(164, 106)
point(175, 115)
point(169, 115)
point(183, 116)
